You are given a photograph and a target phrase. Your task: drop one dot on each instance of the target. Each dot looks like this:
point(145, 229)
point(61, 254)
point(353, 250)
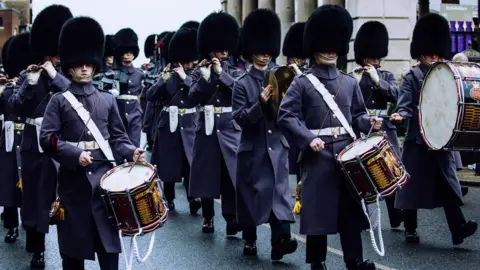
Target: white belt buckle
point(88, 145)
point(182, 111)
point(218, 109)
point(335, 132)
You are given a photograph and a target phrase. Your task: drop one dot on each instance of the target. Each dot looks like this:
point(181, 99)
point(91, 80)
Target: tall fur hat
point(371, 42)
point(46, 31)
point(293, 42)
point(165, 44)
point(219, 31)
point(18, 57)
point(328, 29)
point(82, 41)
point(5, 50)
point(183, 46)
point(127, 41)
point(261, 33)
point(191, 24)
point(431, 35)
point(149, 46)
point(109, 45)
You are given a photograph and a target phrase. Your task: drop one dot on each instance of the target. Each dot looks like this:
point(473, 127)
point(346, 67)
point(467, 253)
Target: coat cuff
point(384, 85)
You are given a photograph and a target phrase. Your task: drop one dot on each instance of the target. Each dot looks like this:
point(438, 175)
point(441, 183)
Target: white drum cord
point(381, 250)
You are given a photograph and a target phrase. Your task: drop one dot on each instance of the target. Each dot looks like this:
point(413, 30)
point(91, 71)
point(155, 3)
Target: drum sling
point(336, 110)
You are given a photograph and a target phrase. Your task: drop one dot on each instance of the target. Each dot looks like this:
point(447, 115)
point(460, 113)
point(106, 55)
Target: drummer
point(82, 220)
point(328, 207)
point(433, 181)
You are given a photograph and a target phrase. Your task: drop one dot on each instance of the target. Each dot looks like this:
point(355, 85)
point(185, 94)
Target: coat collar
point(81, 89)
point(126, 69)
point(325, 72)
point(257, 74)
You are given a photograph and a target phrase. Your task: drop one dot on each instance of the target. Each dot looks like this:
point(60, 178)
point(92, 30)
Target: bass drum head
point(120, 179)
point(360, 147)
point(438, 106)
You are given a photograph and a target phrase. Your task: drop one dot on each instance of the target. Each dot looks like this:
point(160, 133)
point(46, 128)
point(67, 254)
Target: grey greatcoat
point(39, 175)
point(10, 194)
point(433, 179)
point(210, 151)
point(328, 202)
point(79, 187)
point(262, 156)
point(377, 99)
point(170, 149)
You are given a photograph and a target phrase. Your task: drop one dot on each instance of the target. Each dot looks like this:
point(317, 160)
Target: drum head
point(438, 106)
point(120, 179)
point(360, 147)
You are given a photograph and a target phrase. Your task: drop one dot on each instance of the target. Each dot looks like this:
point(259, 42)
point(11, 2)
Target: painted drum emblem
point(475, 91)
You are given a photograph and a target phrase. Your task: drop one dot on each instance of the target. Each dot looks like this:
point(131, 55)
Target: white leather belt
point(181, 111)
point(127, 97)
point(218, 109)
point(92, 145)
point(37, 122)
point(331, 131)
point(30, 121)
point(377, 112)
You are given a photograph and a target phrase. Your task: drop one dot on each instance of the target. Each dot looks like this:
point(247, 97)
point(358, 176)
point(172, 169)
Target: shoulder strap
point(331, 103)
point(85, 116)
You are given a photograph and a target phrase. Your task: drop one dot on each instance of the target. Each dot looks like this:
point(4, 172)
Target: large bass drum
point(449, 107)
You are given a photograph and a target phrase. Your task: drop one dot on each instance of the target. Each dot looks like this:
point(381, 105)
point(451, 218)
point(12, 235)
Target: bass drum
point(449, 107)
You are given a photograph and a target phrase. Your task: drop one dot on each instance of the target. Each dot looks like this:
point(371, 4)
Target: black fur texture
point(183, 46)
point(5, 50)
point(127, 41)
point(191, 24)
point(261, 33)
point(149, 46)
point(431, 35)
point(293, 42)
point(164, 45)
point(109, 45)
point(371, 42)
point(18, 57)
point(219, 31)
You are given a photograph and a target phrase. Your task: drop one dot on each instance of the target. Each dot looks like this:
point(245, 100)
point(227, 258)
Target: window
point(1, 21)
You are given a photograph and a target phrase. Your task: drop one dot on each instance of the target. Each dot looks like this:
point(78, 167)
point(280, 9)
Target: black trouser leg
point(107, 261)
point(249, 233)
point(393, 213)
point(186, 177)
point(228, 195)
point(410, 220)
point(72, 264)
point(316, 249)
point(35, 241)
point(279, 229)
point(351, 245)
point(10, 217)
point(169, 189)
point(208, 210)
point(455, 217)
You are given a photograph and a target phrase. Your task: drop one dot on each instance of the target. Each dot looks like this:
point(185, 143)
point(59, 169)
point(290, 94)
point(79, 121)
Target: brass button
point(269, 148)
point(181, 89)
point(269, 131)
point(218, 86)
point(334, 116)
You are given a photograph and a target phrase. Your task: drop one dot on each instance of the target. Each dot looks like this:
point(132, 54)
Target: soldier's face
point(187, 65)
point(109, 60)
point(373, 61)
point(220, 55)
point(82, 74)
point(261, 60)
point(54, 59)
point(432, 58)
point(128, 57)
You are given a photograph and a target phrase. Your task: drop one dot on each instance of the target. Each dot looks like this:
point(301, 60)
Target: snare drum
point(372, 167)
point(449, 109)
point(134, 200)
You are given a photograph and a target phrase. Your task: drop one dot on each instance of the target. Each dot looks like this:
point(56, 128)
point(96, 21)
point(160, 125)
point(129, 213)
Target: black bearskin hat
point(261, 33)
point(371, 42)
point(127, 41)
point(431, 35)
point(183, 46)
point(5, 50)
point(46, 31)
point(149, 46)
point(293, 42)
point(219, 31)
point(109, 45)
point(191, 24)
point(164, 45)
point(328, 29)
point(18, 57)
point(82, 41)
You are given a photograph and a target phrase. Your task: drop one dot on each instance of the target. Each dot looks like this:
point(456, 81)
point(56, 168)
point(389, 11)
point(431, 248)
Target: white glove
point(217, 67)
point(181, 72)
point(372, 72)
point(32, 77)
point(2, 88)
point(114, 92)
point(48, 66)
point(296, 69)
point(358, 73)
point(206, 72)
point(166, 75)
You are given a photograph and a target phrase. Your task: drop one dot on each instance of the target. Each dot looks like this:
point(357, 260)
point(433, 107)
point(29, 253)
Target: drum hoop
point(128, 164)
point(363, 155)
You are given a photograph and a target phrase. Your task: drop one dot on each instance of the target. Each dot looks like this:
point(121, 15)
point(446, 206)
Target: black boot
point(359, 264)
point(171, 205)
point(467, 229)
point(233, 228)
point(11, 236)
point(396, 219)
point(318, 266)
point(38, 261)
point(250, 248)
point(284, 247)
point(195, 205)
point(412, 237)
point(208, 226)
point(464, 191)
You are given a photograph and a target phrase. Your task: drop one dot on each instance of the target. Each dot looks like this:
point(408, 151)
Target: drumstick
point(371, 128)
point(103, 160)
point(136, 160)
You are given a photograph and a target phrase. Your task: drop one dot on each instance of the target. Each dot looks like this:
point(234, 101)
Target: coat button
point(181, 101)
point(19, 118)
point(127, 102)
point(129, 81)
point(181, 89)
point(18, 146)
point(218, 86)
point(334, 116)
point(218, 115)
point(218, 130)
point(269, 148)
point(129, 92)
point(373, 101)
point(126, 113)
point(269, 131)
point(333, 96)
point(90, 173)
point(89, 132)
point(218, 100)
point(18, 133)
point(19, 168)
point(335, 136)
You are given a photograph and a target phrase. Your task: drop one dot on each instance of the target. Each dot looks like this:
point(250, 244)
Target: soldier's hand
point(396, 118)
point(180, 71)
point(85, 159)
point(317, 145)
point(205, 70)
point(376, 122)
point(266, 94)
point(217, 66)
point(166, 74)
point(139, 152)
point(372, 72)
point(48, 66)
point(33, 76)
point(296, 69)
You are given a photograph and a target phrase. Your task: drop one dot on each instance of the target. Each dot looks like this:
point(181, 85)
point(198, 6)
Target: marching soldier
point(433, 181)
point(130, 81)
point(176, 123)
point(194, 25)
point(109, 52)
point(262, 189)
point(148, 68)
point(32, 93)
point(321, 130)
point(216, 134)
point(237, 58)
point(379, 88)
point(14, 61)
point(85, 228)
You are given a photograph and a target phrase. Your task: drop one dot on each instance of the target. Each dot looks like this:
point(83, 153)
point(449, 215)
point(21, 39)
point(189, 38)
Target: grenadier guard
point(176, 123)
point(194, 25)
point(262, 187)
point(321, 130)
point(86, 228)
point(433, 181)
point(14, 61)
point(109, 52)
point(216, 134)
point(148, 68)
point(130, 81)
point(32, 93)
point(379, 88)
point(237, 58)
